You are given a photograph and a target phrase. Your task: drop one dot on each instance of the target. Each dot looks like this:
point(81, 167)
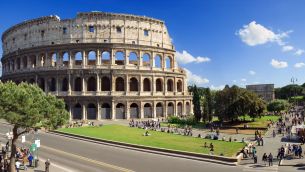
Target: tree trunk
point(13, 150)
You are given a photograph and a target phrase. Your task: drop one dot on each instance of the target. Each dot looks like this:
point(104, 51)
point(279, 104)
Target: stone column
point(98, 57)
point(153, 85)
point(165, 109)
point(57, 85)
point(140, 59)
point(71, 61)
point(154, 110)
point(84, 59)
point(126, 54)
point(112, 83)
point(98, 110)
point(175, 108)
point(70, 112)
point(140, 85)
point(126, 84)
point(98, 85)
point(83, 85)
point(127, 111)
point(164, 85)
point(46, 88)
point(112, 57)
point(28, 58)
point(141, 110)
point(84, 112)
point(112, 110)
point(175, 85)
point(69, 84)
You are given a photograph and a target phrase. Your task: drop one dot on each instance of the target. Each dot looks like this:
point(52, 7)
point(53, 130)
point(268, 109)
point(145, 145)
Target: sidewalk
point(41, 168)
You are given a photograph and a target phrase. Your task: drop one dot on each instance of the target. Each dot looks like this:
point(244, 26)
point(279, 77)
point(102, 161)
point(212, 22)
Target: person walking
point(17, 164)
point(265, 157)
point(270, 159)
point(47, 165)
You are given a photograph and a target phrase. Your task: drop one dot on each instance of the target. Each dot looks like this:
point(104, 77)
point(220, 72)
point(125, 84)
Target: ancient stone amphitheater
point(104, 65)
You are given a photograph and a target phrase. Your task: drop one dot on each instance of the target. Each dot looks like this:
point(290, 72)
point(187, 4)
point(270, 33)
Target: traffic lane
point(130, 159)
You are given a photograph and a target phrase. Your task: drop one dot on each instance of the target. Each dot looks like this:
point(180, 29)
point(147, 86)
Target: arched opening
point(159, 110)
point(92, 58)
point(120, 111)
point(18, 63)
point(25, 62)
point(41, 83)
point(105, 83)
point(146, 60)
point(134, 111)
point(119, 58)
point(65, 59)
point(146, 83)
point(168, 62)
point(91, 111)
point(179, 109)
point(188, 108)
point(133, 59)
point(170, 85)
point(179, 86)
point(53, 59)
point(119, 84)
point(158, 62)
point(33, 61)
point(91, 84)
point(170, 109)
point(78, 59)
point(105, 57)
point(64, 85)
point(78, 84)
point(52, 84)
point(147, 111)
point(133, 84)
point(106, 111)
point(77, 112)
point(159, 85)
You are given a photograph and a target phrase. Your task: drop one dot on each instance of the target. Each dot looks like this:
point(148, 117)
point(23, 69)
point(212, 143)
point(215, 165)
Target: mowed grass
point(156, 139)
point(258, 122)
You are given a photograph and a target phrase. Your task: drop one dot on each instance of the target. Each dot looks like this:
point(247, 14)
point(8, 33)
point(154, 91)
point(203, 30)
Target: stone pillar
point(84, 112)
point(165, 109)
point(84, 59)
point(46, 88)
point(163, 62)
point(112, 57)
point(127, 111)
point(70, 112)
point(83, 85)
point(140, 59)
point(59, 60)
point(140, 85)
point(175, 108)
point(164, 85)
point(175, 85)
point(71, 61)
point(98, 110)
point(112, 110)
point(126, 84)
point(98, 85)
point(57, 86)
point(98, 57)
point(141, 110)
point(126, 54)
point(69, 84)
point(153, 85)
point(154, 114)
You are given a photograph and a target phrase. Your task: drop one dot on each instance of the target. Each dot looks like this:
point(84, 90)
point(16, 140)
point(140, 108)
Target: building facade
point(104, 65)
point(265, 91)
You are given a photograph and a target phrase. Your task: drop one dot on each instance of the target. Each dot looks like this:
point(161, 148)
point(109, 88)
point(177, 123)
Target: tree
point(196, 102)
point(289, 91)
point(277, 105)
point(24, 106)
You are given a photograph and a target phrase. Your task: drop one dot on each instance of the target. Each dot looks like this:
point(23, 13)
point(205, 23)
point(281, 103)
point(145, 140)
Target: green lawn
point(258, 122)
point(156, 139)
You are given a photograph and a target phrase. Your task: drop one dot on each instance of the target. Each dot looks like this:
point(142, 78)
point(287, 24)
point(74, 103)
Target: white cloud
point(299, 65)
point(185, 57)
point(195, 79)
point(255, 34)
point(243, 80)
point(278, 64)
point(287, 48)
point(251, 72)
point(220, 87)
point(299, 52)
point(234, 81)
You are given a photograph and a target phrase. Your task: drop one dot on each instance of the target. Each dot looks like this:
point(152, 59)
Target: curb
point(161, 151)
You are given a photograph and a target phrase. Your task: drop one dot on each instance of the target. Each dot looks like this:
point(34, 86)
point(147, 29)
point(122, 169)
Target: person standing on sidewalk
point(270, 159)
point(47, 165)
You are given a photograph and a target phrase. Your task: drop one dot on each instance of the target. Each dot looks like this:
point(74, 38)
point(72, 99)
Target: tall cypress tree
point(196, 102)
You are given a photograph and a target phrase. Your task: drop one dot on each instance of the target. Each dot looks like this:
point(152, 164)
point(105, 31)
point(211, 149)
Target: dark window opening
point(146, 32)
point(118, 29)
point(91, 29)
point(64, 30)
point(42, 33)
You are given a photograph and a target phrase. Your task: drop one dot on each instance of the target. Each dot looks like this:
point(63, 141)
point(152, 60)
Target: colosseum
point(104, 65)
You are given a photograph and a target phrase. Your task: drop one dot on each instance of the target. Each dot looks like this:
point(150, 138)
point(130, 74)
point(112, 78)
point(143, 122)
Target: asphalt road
point(80, 156)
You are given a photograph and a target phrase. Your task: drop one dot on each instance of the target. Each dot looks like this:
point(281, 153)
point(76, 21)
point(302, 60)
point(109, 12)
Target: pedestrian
point(270, 159)
point(265, 158)
point(255, 159)
point(212, 148)
point(17, 164)
point(262, 141)
point(47, 165)
point(30, 158)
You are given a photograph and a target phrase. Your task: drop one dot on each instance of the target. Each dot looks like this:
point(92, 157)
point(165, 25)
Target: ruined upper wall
point(91, 27)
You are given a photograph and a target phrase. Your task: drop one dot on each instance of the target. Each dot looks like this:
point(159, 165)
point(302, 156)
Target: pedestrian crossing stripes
point(252, 168)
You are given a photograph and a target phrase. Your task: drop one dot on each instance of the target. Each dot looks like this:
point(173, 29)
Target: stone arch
point(168, 62)
point(147, 110)
point(91, 84)
point(170, 109)
point(33, 61)
point(77, 112)
point(187, 108)
point(54, 59)
point(158, 61)
point(133, 59)
point(64, 84)
point(133, 84)
point(134, 111)
point(65, 59)
point(18, 63)
point(146, 60)
point(78, 58)
point(91, 111)
point(91, 58)
point(106, 111)
point(105, 57)
point(41, 83)
point(106, 84)
point(170, 85)
point(119, 84)
point(159, 110)
point(119, 58)
point(52, 84)
point(25, 62)
point(120, 111)
point(146, 85)
point(179, 86)
point(179, 109)
point(78, 86)
point(159, 85)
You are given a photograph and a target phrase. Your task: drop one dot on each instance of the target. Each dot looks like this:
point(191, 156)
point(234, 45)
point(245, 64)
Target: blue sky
point(218, 42)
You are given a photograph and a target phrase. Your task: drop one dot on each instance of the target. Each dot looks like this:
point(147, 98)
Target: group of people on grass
point(145, 124)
